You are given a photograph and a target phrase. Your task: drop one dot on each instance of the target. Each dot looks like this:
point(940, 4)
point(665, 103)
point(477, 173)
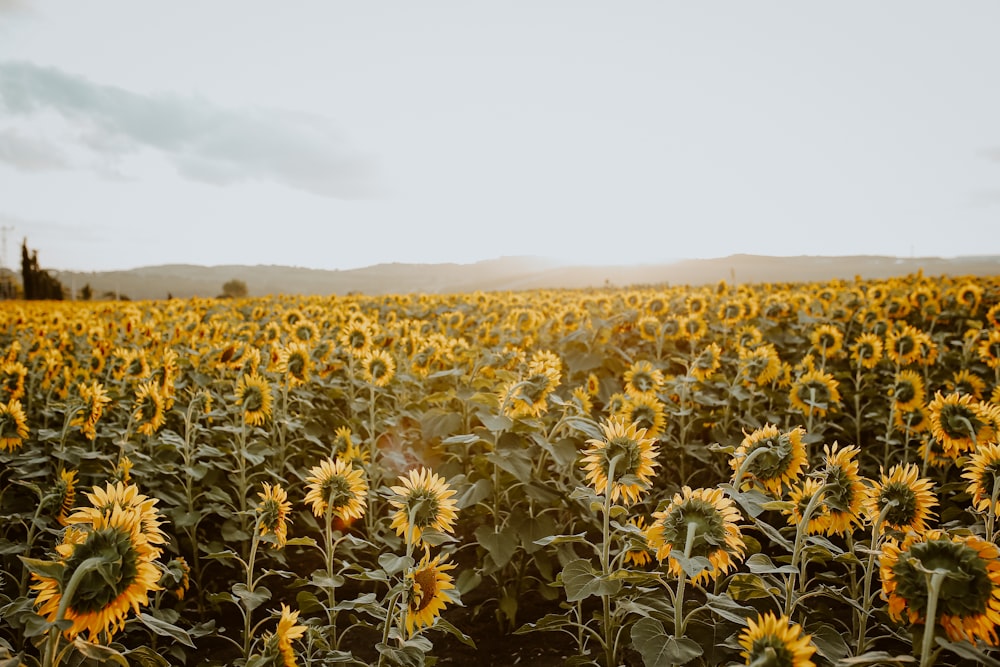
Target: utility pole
point(3, 244)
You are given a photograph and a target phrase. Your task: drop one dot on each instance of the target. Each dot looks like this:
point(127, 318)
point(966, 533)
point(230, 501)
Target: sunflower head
point(983, 472)
point(815, 392)
point(844, 490)
point(339, 487)
point(905, 499)
point(638, 552)
point(272, 513)
point(378, 367)
point(867, 350)
point(176, 577)
point(428, 585)
point(253, 394)
point(633, 454)
point(423, 501)
point(642, 379)
point(778, 458)
point(777, 642)
point(65, 494)
point(959, 423)
point(800, 496)
point(714, 520)
point(13, 426)
point(294, 363)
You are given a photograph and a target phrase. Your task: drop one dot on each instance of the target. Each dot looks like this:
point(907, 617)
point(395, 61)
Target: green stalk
point(934, 580)
point(692, 532)
point(87, 566)
point(869, 571)
point(800, 533)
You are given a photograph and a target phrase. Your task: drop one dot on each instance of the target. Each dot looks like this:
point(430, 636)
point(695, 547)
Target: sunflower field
point(773, 474)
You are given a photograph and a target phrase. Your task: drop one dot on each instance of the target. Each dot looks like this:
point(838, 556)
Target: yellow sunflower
point(969, 598)
point(378, 367)
point(908, 497)
point(593, 385)
point(337, 485)
point(272, 513)
point(844, 492)
point(104, 500)
point(989, 347)
point(94, 399)
point(286, 633)
point(427, 592)
point(642, 379)
point(105, 594)
point(903, 345)
point(356, 337)
point(13, 426)
point(828, 340)
point(638, 552)
point(176, 577)
point(964, 382)
point(908, 391)
point(634, 454)
point(982, 470)
point(800, 496)
point(148, 411)
point(759, 365)
point(959, 423)
point(294, 364)
point(707, 362)
point(253, 393)
point(778, 458)
point(776, 641)
point(647, 412)
point(65, 494)
point(867, 350)
point(815, 392)
point(12, 374)
point(423, 501)
point(713, 517)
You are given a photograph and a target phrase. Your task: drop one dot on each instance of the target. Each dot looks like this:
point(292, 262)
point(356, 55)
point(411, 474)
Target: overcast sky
point(344, 134)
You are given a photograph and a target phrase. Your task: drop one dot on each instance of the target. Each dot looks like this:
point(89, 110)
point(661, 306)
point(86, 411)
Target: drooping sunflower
point(287, 632)
point(176, 577)
point(759, 365)
point(959, 423)
point(844, 492)
point(965, 382)
point(908, 391)
point(989, 347)
point(423, 501)
point(780, 460)
point(13, 426)
point(338, 485)
point(642, 379)
point(427, 592)
point(104, 500)
point(647, 412)
point(378, 367)
point(707, 362)
point(529, 397)
point(867, 350)
point(982, 470)
point(638, 553)
point(634, 454)
point(272, 513)
point(253, 393)
point(94, 399)
point(294, 363)
point(104, 595)
point(777, 642)
point(909, 498)
point(65, 494)
point(148, 411)
point(715, 521)
point(800, 497)
point(815, 392)
point(969, 599)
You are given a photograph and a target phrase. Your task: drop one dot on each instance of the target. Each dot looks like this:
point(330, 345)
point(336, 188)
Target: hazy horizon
point(338, 135)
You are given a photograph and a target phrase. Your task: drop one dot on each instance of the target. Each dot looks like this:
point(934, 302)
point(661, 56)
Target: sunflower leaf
point(659, 649)
point(743, 587)
point(967, 650)
point(251, 599)
point(829, 642)
point(44, 568)
point(102, 654)
point(442, 624)
point(581, 581)
point(877, 658)
point(165, 629)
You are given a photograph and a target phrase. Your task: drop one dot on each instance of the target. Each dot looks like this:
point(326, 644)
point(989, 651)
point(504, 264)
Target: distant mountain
point(507, 273)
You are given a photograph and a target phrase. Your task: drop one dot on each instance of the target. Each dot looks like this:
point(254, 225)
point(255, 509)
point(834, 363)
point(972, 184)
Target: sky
point(337, 135)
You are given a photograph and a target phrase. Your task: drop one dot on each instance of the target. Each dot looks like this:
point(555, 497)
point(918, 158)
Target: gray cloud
point(27, 227)
point(203, 141)
point(30, 153)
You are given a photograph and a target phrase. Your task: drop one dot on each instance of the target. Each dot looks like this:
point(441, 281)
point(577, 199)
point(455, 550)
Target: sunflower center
point(357, 339)
point(423, 508)
point(965, 591)
point(424, 589)
point(958, 422)
point(296, 366)
point(377, 368)
point(904, 513)
point(905, 392)
point(905, 345)
point(628, 454)
point(101, 586)
point(338, 491)
point(252, 399)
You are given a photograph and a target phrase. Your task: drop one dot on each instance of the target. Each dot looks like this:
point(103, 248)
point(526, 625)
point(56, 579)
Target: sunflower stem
point(692, 533)
point(609, 651)
point(331, 591)
point(87, 566)
point(800, 533)
point(247, 614)
point(869, 571)
point(934, 580)
point(745, 464)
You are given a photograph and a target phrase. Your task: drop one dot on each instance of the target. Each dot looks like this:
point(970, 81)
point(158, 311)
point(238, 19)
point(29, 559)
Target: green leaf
point(967, 650)
point(300, 542)
point(49, 569)
point(165, 629)
point(829, 642)
point(251, 599)
point(321, 579)
point(501, 546)
point(729, 609)
point(658, 649)
point(561, 539)
point(442, 624)
point(392, 563)
point(762, 564)
point(102, 654)
point(495, 423)
point(877, 658)
point(743, 587)
point(475, 493)
point(144, 656)
point(581, 581)
point(545, 623)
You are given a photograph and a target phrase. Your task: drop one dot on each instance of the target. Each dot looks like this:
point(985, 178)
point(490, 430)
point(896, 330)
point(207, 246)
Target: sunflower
point(148, 411)
point(707, 362)
point(969, 295)
point(911, 421)
point(356, 337)
point(642, 379)
point(12, 374)
point(65, 494)
point(294, 364)
point(337, 485)
point(989, 347)
point(122, 471)
point(964, 382)
point(828, 340)
point(867, 350)
point(959, 423)
point(176, 577)
point(903, 345)
point(427, 592)
point(982, 470)
point(649, 328)
point(634, 454)
point(815, 392)
point(694, 327)
point(779, 462)
point(646, 411)
point(969, 598)
point(253, 393)
point(759, 365)
point(800, 496)
point(908, 497)
point(593, 385)
point(777, 642)
point(423, 501)
point(94, 399)
point(638, 553)
point(749, 336)
point(305, 331)
point(272, 513)
point(717, 535)
point(378, 367)
point(844, 492)
point(583, 399)
point(13, 426)
point(908, 391)
point(529, 397)
point(287, 632)
point(105, 499)
point(105, 594)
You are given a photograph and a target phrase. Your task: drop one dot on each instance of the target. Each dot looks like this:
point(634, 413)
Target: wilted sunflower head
point(714, 521)
point(776, 642)
point(778, 458)
point(633, 453)
point(969, 594)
